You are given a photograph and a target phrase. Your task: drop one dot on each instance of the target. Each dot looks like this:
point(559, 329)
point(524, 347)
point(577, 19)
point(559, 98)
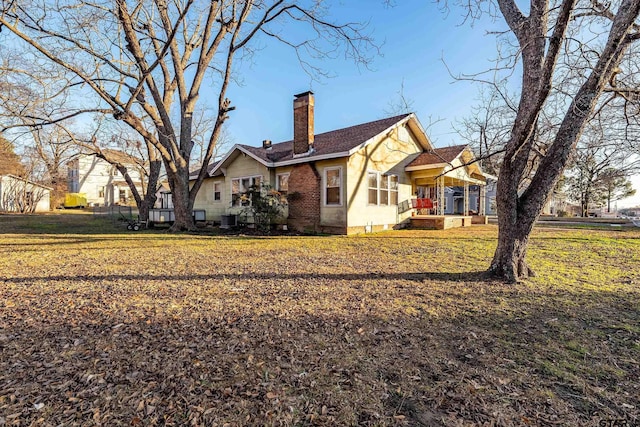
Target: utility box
point(75, 200)
point(228, 221)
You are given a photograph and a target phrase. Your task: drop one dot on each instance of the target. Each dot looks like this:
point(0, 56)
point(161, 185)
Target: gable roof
point(438, 156)
point(210, 167)
point(113, 155)
point(328, 145)
point(336, 141)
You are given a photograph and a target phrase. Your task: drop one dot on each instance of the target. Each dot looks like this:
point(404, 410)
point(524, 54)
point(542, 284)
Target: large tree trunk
point(155, 166)
point(509, 259)
point(515, 222)
point(182, 205)
point(518, 208)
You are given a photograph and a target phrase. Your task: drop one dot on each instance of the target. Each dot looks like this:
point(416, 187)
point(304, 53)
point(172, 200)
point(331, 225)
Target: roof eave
point(311, 159)
point(223, 161)
point(424, 140)
point(410, 118)
point(423, 167)
point(27, 181)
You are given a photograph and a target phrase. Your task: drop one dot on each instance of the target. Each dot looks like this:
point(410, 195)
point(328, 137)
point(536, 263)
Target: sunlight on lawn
point(394, 328)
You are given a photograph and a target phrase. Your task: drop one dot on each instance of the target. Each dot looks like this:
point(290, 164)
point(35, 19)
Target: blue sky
point(416, 37)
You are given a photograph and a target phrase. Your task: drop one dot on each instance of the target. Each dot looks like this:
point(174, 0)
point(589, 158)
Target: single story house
point(372, 176)
point(23, 196)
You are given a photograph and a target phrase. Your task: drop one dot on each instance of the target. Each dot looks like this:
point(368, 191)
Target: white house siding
point(388, 154)
point(90, 174)
point(12, 189)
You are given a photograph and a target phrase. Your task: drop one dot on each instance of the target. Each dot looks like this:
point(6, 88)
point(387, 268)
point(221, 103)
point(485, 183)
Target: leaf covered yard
point(103, 327)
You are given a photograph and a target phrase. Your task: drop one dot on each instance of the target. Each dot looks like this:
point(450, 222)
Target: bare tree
point(595, 171)
point(536, 154)
point(147, 61)
point(20, 195)
point(616, 186)
point(488, 126)
point(9, 160)
point(402, 104)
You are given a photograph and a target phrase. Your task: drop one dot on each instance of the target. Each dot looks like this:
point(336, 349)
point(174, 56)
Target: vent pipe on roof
point(303, 123)
point(266, 143)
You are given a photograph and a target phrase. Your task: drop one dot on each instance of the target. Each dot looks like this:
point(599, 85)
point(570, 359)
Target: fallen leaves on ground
point(391, 329)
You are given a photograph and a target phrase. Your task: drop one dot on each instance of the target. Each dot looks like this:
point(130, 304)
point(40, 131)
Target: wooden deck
point(444, 222)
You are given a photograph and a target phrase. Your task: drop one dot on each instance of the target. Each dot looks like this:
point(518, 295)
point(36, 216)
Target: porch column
point(483, 200)
point(465, 209)
point(441, 195)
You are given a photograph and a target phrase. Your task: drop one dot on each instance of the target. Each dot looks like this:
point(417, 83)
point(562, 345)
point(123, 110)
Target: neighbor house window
point(383, 189)
point(101, 192)
point(123, 196)
point(217, 191)
point(282, 183)
point(239, 186)
point(333, 186)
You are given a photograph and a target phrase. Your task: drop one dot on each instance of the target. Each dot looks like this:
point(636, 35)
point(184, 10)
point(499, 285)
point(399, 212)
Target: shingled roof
point(334, 142)
point(210, 167)
point(438, 155)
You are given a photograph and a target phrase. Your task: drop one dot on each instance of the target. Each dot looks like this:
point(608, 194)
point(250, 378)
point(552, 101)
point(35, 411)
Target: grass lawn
point(99, 326)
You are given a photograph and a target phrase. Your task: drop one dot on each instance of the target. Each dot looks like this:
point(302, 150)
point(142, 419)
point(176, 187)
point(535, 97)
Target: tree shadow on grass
point(526, 362)
point(471, 276)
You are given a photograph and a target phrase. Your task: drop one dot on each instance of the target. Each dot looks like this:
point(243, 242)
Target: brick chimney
point(303, 123)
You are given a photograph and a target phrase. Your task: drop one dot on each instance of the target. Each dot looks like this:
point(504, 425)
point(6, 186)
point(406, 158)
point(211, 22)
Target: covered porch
point(449, 193)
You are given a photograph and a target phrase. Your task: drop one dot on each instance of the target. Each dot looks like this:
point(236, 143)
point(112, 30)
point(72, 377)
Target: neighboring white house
point(100, 181)
point(24, 196)
point(164, 199)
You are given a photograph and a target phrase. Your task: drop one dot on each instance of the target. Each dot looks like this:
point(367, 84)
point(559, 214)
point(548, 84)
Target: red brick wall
point(304, 203)
point(303, 135)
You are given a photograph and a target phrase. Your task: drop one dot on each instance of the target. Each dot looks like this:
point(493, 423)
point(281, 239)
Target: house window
point(123, 196)
point(101, 192)
point(282, 183)
point(217, 191)
point(239, 186)
point(373, 187)
point(393, 189)
point(333, 186)
point(383, 189)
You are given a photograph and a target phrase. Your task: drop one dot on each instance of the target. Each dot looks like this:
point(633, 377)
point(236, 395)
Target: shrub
point(267, 206)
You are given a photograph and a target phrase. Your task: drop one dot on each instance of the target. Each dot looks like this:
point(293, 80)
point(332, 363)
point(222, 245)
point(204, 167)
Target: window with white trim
point(372, 178)
point(239, 186)
point(383, 189)
point(217, 191)
point(393, 189)
point(282, 183)
point(333, 186)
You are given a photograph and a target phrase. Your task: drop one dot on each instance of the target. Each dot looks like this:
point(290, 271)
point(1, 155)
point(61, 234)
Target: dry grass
point(103, 327)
